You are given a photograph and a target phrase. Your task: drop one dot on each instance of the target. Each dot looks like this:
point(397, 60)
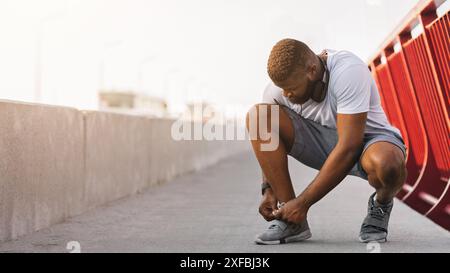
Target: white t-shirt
point(351, 90)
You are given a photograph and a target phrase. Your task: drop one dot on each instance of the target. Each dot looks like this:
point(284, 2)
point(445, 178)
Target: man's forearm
point(264, 178)
point(334, 170)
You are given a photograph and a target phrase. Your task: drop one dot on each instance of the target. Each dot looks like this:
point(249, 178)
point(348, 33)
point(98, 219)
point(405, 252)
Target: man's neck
point(321, 70)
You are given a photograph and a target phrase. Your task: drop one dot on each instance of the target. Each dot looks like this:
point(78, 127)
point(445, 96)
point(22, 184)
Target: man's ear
point(311, 71)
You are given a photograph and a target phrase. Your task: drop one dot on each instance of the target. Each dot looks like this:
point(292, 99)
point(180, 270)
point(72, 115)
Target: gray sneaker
point(375, 225)
point(280, 232)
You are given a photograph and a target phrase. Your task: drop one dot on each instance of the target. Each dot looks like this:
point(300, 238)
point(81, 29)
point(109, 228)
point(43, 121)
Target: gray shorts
point(314, 142)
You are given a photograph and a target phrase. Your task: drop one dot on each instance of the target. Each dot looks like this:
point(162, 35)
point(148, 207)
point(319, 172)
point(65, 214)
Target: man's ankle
point(382, 201)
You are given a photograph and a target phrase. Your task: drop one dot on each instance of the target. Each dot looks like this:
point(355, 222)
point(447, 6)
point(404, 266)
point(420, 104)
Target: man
point(330, 119)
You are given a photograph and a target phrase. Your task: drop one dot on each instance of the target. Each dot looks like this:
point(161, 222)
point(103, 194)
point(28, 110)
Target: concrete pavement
point(215, 210)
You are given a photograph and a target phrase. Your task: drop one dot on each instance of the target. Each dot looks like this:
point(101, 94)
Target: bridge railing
point(412, 71)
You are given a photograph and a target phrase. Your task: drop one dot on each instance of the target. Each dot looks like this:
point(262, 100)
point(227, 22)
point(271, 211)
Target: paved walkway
point(215, 210)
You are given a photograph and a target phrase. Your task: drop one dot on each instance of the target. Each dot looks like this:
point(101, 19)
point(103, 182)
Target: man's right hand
point(268, 205)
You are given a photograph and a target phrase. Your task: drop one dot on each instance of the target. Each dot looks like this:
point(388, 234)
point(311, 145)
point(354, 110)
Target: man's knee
point(252, 116)
point(391, 173)
point(260, 116)
point(270, 118)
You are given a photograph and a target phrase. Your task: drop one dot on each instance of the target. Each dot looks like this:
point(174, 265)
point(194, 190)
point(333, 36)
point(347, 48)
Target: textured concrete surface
point(215, 210)
point(41, 166)
point(126, 154)
point(118, 156)
point(57, 162)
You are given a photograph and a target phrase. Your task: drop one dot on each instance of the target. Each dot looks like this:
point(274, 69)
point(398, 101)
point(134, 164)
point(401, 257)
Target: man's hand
point(268, 205)
point(293, 212)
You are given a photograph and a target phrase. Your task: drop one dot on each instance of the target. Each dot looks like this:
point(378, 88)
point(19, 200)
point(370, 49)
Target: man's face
point(298, 87)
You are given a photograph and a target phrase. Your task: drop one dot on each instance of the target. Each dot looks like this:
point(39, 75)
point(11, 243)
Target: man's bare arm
point(350, 128)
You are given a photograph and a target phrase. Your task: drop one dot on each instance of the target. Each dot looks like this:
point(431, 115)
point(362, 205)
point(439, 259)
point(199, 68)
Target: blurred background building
point(130, 102)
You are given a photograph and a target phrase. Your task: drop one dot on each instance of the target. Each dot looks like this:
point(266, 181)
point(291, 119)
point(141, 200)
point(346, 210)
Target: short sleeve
point(273, 94)
point(352, 89)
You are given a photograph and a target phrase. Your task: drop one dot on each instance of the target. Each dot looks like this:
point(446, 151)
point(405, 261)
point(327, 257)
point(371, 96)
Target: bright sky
point(184, 50)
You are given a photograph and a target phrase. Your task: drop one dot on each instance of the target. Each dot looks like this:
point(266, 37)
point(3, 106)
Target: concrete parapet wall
point(57, 162)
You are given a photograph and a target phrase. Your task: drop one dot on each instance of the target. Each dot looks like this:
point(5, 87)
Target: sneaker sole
point(296, 238)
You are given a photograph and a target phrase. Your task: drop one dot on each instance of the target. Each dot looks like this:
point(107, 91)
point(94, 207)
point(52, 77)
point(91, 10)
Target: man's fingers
point(266, 213)
point(277, 214)
point(268, 216)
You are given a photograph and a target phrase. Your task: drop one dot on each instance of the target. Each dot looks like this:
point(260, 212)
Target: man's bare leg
point(274, 163)
point(385, 165)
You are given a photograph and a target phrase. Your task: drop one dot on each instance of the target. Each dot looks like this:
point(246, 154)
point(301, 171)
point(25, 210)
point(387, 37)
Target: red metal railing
point(413, 76)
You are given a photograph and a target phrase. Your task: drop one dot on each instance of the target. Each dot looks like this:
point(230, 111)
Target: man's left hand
point(293, 212)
